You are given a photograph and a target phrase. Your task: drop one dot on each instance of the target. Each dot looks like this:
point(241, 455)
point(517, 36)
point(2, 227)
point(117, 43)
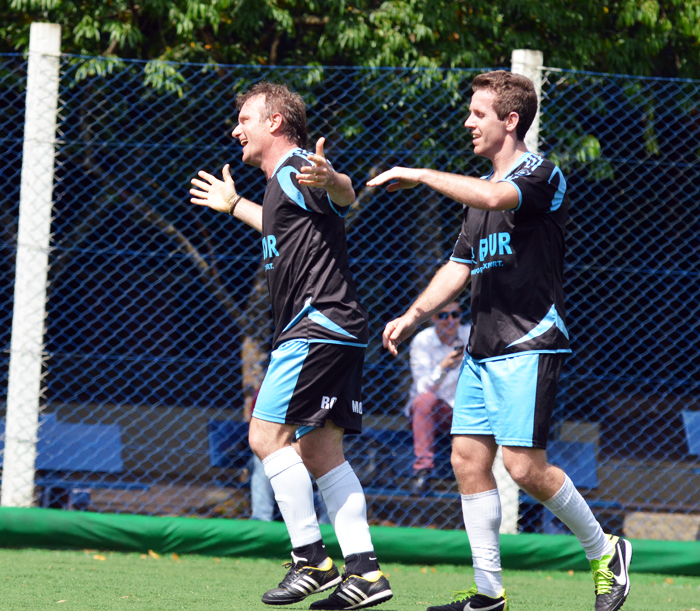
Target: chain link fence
point(157, 328)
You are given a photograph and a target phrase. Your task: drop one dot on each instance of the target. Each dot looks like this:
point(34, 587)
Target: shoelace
point(289, 576)
point(463, 594)
point(602, 578)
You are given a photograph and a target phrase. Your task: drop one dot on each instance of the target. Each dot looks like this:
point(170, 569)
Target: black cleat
point(301, 581)
point(611, 576)
point(471, 599)
point(356, 592)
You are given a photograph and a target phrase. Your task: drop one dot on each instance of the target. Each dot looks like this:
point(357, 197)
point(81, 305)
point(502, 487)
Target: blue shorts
point(309, 383)
point(510, 398)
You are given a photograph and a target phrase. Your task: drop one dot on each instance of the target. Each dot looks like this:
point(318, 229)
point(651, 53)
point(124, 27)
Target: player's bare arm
point(473, 192)
point(322, 175)
point(444, 288)
point(221, 195)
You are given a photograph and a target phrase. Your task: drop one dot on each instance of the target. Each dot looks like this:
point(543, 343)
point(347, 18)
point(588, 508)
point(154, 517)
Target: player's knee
point(314, 466)
point(256, 441)
point(457, 460)
point(524, 472)
point(321, 463)
point(264, 442)
point(520, 475)
point(462, 465)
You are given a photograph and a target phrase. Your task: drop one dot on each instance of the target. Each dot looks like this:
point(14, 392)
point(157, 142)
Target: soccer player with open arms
point(511, 247)
point(312, 389)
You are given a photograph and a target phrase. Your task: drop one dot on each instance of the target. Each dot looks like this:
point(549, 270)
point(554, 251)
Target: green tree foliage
point(645, 37)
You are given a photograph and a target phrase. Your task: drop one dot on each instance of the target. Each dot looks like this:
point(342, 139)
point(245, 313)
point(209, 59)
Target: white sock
point(294, 494)
point(571, 508)
point(482, 519)
point(347, 509)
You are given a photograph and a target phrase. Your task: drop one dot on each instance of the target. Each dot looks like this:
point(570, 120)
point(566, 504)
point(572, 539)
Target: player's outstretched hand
point(404, 178)
point(395, 332)
point(212, 192)
point(321, 173)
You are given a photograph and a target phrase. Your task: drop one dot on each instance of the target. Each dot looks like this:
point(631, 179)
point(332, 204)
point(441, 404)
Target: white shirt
point(427, 352)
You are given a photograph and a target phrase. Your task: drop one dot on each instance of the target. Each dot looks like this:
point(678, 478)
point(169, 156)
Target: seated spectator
point(436, 353)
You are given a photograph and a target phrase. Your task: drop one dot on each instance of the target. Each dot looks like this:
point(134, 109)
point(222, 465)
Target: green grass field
point(37, 580)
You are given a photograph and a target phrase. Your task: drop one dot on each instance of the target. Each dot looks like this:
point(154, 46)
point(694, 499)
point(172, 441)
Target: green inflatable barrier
point(55, 528)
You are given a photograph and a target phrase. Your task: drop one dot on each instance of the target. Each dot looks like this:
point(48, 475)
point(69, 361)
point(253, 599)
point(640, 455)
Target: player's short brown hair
point(514, 93)
point(280, 99)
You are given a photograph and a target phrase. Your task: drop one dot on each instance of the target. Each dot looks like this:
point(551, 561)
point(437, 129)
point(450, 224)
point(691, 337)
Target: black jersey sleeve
point(462, 252)
point(309, 198)
point(541, 185)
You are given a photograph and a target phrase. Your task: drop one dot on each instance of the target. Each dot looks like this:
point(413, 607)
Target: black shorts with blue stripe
point(308, 383)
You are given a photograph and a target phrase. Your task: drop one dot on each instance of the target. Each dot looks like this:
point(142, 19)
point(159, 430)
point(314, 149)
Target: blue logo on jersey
point(269, 244)
point(495, 243)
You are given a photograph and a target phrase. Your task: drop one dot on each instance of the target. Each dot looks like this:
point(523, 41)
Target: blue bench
point(383, 460)
point(691, 424)
point(229, 449)
point(64, 449)
point(228, 444)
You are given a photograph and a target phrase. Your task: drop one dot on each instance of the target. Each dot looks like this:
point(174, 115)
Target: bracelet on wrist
point(234, 203)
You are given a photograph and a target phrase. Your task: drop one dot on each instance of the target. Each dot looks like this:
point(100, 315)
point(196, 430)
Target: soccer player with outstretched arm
point(511, 248)
point(312, 389)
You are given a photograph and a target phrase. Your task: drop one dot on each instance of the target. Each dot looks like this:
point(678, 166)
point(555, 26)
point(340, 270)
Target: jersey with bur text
point(517, 259)
point(312, 293)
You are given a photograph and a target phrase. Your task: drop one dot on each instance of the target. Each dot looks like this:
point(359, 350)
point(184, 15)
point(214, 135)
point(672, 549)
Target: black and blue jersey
point(305, 253)
point(517, 261)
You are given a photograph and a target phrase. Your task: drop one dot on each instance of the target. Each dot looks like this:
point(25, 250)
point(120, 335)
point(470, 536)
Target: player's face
point(447, 321)
point(488, 131)
point(253, 130)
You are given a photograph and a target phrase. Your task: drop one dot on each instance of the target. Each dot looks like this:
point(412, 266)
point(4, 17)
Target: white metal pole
point(31, 268)
point(529, 63)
